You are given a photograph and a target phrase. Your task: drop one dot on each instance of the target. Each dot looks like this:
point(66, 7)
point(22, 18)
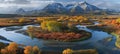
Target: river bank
point(94, 42)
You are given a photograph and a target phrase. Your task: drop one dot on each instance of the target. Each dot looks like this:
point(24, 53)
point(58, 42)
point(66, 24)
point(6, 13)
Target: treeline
point(13, 48)
point(9, 15)
point(53, 30)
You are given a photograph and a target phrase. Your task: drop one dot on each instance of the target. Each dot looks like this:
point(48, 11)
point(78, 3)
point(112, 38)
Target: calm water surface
point(97, 41)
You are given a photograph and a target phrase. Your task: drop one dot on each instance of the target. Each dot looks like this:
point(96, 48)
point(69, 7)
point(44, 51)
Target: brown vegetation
point(14, 48)
point(52, 30)
point(88, 51)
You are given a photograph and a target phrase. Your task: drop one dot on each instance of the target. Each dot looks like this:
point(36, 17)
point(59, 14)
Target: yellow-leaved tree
point(118, 20)
point(43, 25)
point(22, 20)
point(52, 26)
point(32, 50)
point(67, 51)
point(10, 49)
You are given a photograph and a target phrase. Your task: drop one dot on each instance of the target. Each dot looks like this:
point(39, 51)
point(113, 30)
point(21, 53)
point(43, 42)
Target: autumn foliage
point(52, 26)
point(67, 51)
point(53, 30)
point(10, 49)
point(61, 36)
point(87, 51)
point(115, 23)
point(68, 19)
point(32, 50)
point(13, 48)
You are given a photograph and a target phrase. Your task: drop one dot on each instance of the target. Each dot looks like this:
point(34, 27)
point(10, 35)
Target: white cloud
point(15, 1)
point(15, 4)
point(25, 3)
point(107, 4)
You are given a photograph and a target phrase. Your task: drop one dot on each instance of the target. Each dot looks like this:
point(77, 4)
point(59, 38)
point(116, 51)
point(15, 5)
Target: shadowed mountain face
point(88, 7)
point(82, 7)
point(70, 8)
point(20, 11)
point(74, 8)
point(58, 8)
point(54, 8)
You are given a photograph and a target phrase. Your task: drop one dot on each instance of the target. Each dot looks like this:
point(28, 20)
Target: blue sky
point(11, 5)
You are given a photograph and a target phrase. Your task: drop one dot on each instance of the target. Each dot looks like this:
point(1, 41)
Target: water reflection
point(96, 41)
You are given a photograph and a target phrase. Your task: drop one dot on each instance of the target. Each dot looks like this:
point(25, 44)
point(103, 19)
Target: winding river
point(99, 41)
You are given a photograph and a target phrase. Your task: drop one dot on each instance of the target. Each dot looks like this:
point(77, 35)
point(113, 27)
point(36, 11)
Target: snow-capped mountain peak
point(58, 5)
point(54, 8)
point(79, 7)
point(20, 11)
point(88, 7)
point(84, 5)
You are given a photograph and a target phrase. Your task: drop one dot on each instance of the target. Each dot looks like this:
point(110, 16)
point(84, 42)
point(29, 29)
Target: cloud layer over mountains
point(15, 4)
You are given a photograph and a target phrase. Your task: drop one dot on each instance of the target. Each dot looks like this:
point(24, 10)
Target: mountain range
point(58, 8)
